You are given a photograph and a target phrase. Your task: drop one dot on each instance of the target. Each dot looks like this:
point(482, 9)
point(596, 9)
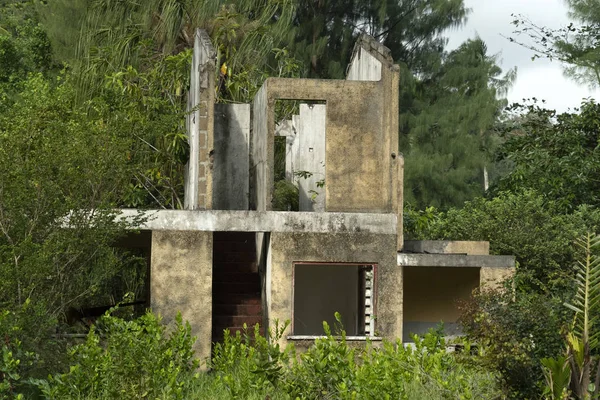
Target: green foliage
point(575, 45)
point(556, 155)
point(524, 225)
point(334, 368)
point(583, 337)
point(448, 137)
point(557, 374)
point(285, 196)
point(248, 364)
point(515, 332)
point(14, 360)
point(128, 360)
point(326, 31)
point(51, 169)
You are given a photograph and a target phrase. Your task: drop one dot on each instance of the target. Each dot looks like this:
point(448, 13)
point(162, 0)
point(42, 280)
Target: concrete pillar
point(181, 281)
point(200, 125)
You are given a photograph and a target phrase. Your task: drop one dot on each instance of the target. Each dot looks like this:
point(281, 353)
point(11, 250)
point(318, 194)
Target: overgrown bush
point(524, 224)
point(332, 368)
point(515, 333)
point(128, 360)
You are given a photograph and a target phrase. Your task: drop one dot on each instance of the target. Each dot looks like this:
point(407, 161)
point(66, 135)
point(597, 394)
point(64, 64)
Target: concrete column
point(181, 281)
point(200, 125)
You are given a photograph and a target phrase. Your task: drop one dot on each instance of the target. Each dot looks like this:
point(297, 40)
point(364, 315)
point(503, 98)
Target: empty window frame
point(321, 290)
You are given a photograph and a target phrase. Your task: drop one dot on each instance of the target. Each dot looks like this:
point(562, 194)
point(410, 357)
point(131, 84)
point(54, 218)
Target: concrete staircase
point(236, 283)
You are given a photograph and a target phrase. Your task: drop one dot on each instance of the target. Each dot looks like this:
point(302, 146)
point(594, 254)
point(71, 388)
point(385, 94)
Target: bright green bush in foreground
point(142, 359)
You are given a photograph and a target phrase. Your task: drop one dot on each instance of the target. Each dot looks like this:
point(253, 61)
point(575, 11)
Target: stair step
point(247, 299)
point(236, 320)
point(235, 256)
point(237, 309)
point(236, 277)
point(235, 267)
point(237, 287)
point(219, 334)
point(233, 236)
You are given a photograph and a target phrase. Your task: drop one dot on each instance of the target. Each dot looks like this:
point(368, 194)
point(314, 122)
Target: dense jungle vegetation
point(92, 117)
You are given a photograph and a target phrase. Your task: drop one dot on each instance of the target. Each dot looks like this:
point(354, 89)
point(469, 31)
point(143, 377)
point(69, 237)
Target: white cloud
point(491, 20)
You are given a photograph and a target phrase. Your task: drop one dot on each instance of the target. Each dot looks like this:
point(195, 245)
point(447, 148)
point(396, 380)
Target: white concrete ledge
point(455, 260)
point(264, 221)
point(348, 338)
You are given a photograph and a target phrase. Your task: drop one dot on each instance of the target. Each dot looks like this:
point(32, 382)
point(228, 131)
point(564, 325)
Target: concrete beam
point(455, 260)
point(263, 221)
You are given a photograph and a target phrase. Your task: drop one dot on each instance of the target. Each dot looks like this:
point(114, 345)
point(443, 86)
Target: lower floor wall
point(308, 276)
point(354, 249)
point(181, 281)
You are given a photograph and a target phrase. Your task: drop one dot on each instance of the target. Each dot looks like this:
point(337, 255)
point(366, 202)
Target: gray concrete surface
point(231, 178)
point(269, 221)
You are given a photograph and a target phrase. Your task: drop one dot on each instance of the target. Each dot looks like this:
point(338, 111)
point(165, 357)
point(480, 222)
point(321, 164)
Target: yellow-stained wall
point(431, 293)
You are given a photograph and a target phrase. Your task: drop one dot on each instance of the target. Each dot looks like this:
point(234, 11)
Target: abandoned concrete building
point(228, 259)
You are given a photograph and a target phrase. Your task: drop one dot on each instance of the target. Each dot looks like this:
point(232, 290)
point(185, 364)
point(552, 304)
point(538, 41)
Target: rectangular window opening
point(321, 290)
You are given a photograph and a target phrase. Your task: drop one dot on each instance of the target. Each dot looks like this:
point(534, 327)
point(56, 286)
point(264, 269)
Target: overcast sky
point(540, 78)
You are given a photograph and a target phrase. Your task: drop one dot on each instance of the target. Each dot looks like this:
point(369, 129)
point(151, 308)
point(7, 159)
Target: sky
point(543, 79)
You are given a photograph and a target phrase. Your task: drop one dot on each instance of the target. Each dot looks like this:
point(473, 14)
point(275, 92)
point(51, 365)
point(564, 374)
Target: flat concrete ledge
point(455, 260)
point(472, 248)
point(348, 338)
point(263, 221)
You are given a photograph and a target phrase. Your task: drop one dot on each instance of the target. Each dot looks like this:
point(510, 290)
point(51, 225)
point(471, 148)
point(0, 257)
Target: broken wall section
point(200, 125)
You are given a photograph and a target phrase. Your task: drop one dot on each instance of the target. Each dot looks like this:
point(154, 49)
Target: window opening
point(321, 290)
point(299, 165)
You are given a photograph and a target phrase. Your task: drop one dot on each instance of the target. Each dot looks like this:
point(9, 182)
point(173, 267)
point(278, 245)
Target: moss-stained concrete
point(358, 248)
point(492, 278)
point(361, 171)
point(181, 281)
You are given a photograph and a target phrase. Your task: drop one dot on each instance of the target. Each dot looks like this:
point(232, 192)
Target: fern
point(583, 340)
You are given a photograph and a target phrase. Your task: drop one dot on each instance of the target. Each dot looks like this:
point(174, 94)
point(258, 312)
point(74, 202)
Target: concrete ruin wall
point(356, 248)
point(181, 281)
point(232, 157)
point(310, 156)
point(261, 147)
point(200, 125)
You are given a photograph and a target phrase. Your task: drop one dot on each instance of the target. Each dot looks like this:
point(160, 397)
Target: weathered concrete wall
point(364, 66)
point(447, 247)
point(359, 248)
point(430, 294)
point(359, 174)
point(455, 260)
point(181, 280)
point(261, 154)
point(200, 125)
point(400, 202)
point(232, 157)
point(492, 278)
point(361, 171)
point(310, 156)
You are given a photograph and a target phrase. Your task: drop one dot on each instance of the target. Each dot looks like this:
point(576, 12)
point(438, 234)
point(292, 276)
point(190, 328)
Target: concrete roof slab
point(455, 260)
point(264, 221)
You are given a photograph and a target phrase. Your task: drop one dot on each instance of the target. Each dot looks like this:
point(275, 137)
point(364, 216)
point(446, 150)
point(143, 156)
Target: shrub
point(525, 225)
point(128, 360)
point(332, 368)
point(515, 333)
